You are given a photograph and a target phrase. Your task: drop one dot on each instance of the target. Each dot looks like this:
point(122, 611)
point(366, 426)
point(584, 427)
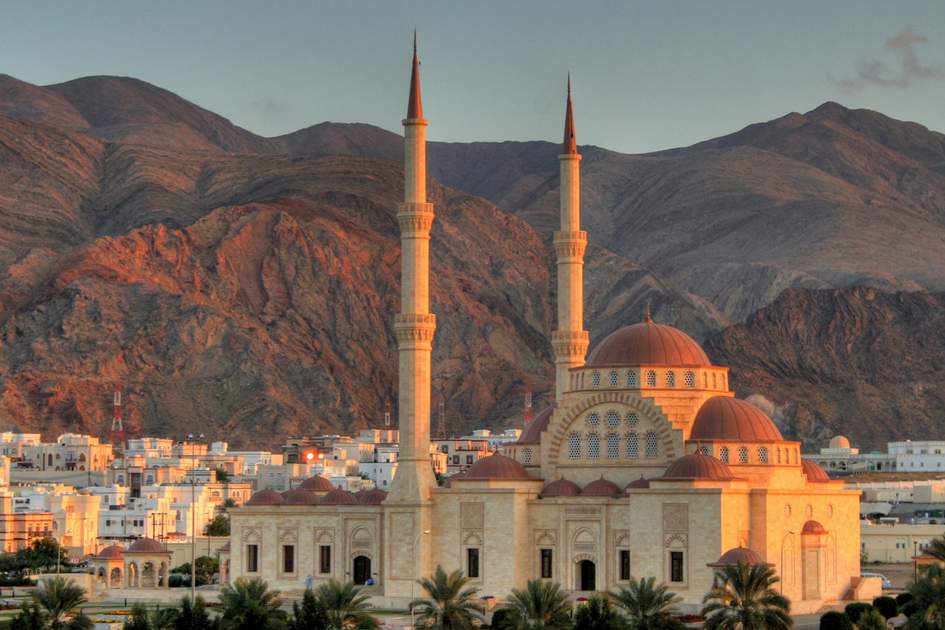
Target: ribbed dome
point(266, 497)
point(731, 419)
point(697, 467)
point(560, 488)
point(813, 528)
point(146, 545)
point(532, 432)
point(112, 552)
point(338, 497)
point(647, 343)
point(299, 496)
point(601, 488)
point(840, 441)
point(738, 555)
point(317, 484)
point(638, 483)
point(815, 474)
point(374, 496)
point(497, 466)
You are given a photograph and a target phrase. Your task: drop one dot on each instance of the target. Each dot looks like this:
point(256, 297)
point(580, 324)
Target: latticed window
point(613, 419)
point(631, 378)
point(763, 454)
point(742, 455)
point(526, 456)
point(593, 419)
point(574, 446)
point(613, 446)
point(705, 450)
point(651, 445)
point(723, 454)
point(670, 379)
point(651, 378)
point(690, 379)
point(593, 446)
point(614, 379)
point(595, 379)
point(633, 445)
point(632, 420)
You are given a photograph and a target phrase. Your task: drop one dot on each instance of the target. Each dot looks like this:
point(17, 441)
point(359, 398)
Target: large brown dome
point(648, 343)
point(813, 471)
point(496, 466)
point(533, 430)
point(146, 545)
point(697, 467)
point(317, 484)
point(266, 497)
point(727, 418)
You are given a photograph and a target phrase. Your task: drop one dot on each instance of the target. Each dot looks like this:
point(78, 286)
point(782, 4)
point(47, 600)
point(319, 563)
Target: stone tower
point(570, 340)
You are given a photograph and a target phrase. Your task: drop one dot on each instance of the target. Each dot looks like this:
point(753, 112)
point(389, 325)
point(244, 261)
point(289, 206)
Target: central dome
point(648, 343)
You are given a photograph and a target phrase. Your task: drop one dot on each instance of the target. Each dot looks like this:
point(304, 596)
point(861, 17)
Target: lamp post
point(193, 515)
point(915, 561)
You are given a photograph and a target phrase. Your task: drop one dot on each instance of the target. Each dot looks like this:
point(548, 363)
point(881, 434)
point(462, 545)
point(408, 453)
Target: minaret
point(415, 324)
point(570, 340)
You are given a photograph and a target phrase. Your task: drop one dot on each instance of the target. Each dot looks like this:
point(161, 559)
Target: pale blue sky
point(647, 75)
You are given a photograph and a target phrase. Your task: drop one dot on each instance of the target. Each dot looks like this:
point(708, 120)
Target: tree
point(504, 619)
point(541, 606)
point(223, 475)
point(449, 604)
point(927, 608)
point(855, 609)
point(30, 617)
point(139, 619)
point(310, 615)
point(871, 620)
point(648, 606)
point(745, 599)
point(886, 606)
point(194, 616)
point(936, 549)
point(219, 526)
point(834, 620)
point(250, 605)
point(598, 614)
point(345, 606)
point(59, 600)
point(41, 556)
point(206, 568)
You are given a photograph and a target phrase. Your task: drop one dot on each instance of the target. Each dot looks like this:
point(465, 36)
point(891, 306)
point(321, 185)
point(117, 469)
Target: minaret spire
point(570, 340)
point(414, 102)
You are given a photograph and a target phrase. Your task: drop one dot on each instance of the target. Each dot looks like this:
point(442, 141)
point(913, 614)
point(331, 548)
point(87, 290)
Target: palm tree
point(597, 614)
point(345, 606)
point(745, 599)
point(936, 548)
point(541, 606)
point(648, 605)
point(449, 605)
point(60, 599)
point(929, 598)
point(250, 605)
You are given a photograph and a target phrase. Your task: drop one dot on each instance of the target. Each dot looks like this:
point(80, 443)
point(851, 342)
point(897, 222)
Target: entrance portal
point(587, 574)
point(362, 569)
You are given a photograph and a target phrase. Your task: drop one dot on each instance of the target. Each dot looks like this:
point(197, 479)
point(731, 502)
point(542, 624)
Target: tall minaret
point(415, 324)
point(570, 340)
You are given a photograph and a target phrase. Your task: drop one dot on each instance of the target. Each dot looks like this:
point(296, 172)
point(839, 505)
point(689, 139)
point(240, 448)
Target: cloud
point(903, 69)
point(268, 108)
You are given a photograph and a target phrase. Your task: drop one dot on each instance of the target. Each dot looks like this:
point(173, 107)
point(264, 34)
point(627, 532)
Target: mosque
point(645, 465)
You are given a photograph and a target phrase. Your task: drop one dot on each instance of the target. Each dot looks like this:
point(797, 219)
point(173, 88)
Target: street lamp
point(193, 514)
point(915, 560)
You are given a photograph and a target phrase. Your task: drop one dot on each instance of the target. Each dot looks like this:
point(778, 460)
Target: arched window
point(705, 450)
point(574, 446)
point(723, 454)
point(593, 419)
point(742, 455)
point(613, 419)
point(593, 446)
point(633, 445)
point(631, 378)
point(690, 379)
point(613, 446)
point(614, 379)
point(670, 379)
point(652, 448)
point(651, 378)
point(705, 380)
point(762, 454)
point(595, 379)
point(632, 420)
point(526, 455)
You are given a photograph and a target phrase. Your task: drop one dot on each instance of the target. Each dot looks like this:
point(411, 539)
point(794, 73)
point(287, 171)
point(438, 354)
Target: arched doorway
point(362, 569)
point(116, 578)
point(587, 576)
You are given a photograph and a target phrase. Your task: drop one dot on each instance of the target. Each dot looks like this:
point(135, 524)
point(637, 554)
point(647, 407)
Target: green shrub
point(834, 620)
point(886, 606)
point(856, 609)
point(904, 598)
point(871, 620)
point(504, 619)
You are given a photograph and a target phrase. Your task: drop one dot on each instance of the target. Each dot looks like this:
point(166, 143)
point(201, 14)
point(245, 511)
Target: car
point(885, 580)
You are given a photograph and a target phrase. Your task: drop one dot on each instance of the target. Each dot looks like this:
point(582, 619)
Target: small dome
point(338, 497)
point(813, 528)
point(731, 419)
point(638, 483)
point(317, 484)
point(146, 545)
point(839, 441)
point(374, 496)
point(496, 466)
point(738, 555)
point(697, 467)
point(815, 474)
point(560, 488)
point(112, 552)
point(299, 496)
point(266, 497)
point(648, 343)
point(601, 488)
point(533, 430)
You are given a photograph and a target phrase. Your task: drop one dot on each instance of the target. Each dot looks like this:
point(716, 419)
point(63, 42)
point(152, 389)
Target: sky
point(646, 75)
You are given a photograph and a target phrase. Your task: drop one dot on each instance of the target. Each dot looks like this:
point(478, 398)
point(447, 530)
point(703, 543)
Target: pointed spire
point(414, 104)
point(647, 315)
point(570, 142)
